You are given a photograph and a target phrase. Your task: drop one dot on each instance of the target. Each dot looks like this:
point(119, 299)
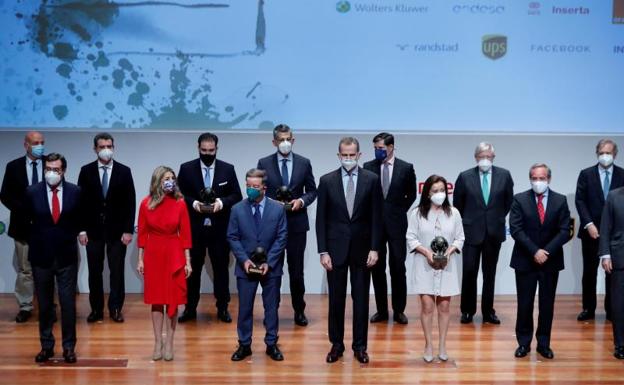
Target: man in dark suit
point(258, 222)
point(209, 222)
point(483, 195)
point(109, 202)
point(53, 209)
point(286, 168)
point(540, 226)
point(592, 187)
point(348, 232)
point(398, 185)
point(611, 253)
point(21, 173)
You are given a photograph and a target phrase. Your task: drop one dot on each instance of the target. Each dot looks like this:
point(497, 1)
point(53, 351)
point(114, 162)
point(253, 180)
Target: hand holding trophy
point(258, 258)
point(285, 196)
point(439, 246)
point(208, 198)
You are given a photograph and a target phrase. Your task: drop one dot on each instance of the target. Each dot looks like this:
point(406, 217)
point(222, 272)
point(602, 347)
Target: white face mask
point(285, 147)
point(606, 160)
point(484, 164)
point(539, 186)
point(348, 164)
point(52, 178)
point(105, 154)
point(438, 198)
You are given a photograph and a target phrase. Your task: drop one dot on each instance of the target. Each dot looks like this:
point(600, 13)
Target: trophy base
point(288, 207)
point(255, 270)
point(439, 263)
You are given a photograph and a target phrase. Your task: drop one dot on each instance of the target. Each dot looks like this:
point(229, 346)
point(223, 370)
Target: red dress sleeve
point(185, 226)
point(142, 236)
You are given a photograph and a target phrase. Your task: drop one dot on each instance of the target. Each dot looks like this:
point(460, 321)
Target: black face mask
point(207, 159)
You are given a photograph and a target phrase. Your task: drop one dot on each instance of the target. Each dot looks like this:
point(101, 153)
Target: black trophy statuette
point(208, 196)
point(258, 257)
point(284, 195)
point(439, 246)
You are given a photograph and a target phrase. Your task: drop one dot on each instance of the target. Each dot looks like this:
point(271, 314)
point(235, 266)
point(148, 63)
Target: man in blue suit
point(257, 222)
point(294, 171)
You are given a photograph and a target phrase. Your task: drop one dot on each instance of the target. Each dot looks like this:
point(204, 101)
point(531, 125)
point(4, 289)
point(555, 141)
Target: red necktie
point(56, 206)
point(540, 208)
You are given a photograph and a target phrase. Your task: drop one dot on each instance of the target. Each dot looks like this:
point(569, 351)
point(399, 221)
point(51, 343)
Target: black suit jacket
point(531, 236)
point(611, 239)
point(589, 197)
point(478, 218)
point(49, 242)
point(225, 185)
point(107, 217)
point(302, 185)
point(336, 233)
point(14, 187)
point(401, 195)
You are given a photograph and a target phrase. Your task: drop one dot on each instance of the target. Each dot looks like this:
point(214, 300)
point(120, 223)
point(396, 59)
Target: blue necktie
point(35, 174)
point(485, 188)
point(284, 172)
point(207, 178)
point(105, 181)
point(606, 185)
point(257, 216)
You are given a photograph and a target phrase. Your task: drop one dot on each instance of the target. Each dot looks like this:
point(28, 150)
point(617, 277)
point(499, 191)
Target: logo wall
point(494, 46)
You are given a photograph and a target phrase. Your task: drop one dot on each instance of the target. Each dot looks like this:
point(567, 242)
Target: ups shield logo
point(494, 46)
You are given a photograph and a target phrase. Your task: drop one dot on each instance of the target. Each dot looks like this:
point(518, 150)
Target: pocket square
point(223, 183)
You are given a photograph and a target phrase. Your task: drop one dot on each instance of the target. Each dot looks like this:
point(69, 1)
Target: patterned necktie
point(540, 208)
point(485, 188)
point(207, 178)
point(104, 181)
point(606, 185)
point(284, 173)
point(56, 206)
point(385, 179)
point(350, 194)
point(35, 174)
point(257, 216)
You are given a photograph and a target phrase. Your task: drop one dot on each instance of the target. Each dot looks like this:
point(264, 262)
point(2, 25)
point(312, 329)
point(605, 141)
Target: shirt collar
point(344, 172)
point(58, 188)
point(203, 166)
point(28, 161)
point(602, 170)
point(389, 161)
point(109, 165)
point(280, 157)
point(261, 203)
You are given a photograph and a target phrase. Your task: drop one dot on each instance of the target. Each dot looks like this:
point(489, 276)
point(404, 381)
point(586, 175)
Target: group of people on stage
point(363, 224)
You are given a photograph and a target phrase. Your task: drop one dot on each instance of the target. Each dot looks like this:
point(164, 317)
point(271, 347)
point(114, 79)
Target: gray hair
point(483, 146)
point(604, 142)
point(257, 173)
point(280, 129)
point(348, 140)
point(540, 165)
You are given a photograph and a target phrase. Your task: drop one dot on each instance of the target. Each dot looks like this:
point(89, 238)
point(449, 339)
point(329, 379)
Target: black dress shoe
point(585, 315)
point(69, 355)
point(224, 316)
point(379, 317)
point(187, 315)
point(22, 316)
point(274, 352)
point(94, 316)
point(400, 318)
point(242, 352)
point(491, 318)
point(522, 351)
point(619, 353)
point(466, 318)
point(301, 319)
point(334, 354)
point(117, 316)
point(361, 356)
point(44, 355)
point(546, 352)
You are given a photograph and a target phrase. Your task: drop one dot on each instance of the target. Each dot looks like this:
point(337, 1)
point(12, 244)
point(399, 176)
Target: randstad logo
point(343, 6)
point(494, 46)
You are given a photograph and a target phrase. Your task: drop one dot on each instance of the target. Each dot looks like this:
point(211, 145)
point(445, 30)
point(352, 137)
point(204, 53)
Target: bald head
point(34, 139)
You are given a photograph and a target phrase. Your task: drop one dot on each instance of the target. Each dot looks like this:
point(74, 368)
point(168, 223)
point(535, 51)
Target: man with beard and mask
point(109, 201)
point(286, 168)
point(20, 173)
point(398, 185)
point(483, 195)
point(592, 187)
point(540, 226)
point(258, 222)
point(209, 222)
point(348, 232)
point(54, 210)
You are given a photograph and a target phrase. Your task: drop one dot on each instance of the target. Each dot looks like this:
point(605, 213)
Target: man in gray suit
point(611, 251)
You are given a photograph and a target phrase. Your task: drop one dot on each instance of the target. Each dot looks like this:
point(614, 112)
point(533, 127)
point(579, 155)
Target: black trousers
point(591, 261)
point(526, 285)
point(396, 262)
point(337, 284)
point(115, 252)
point(295, 252)
point(471, 257)
point(617, 304)
point(215, 241)
point(44, 287)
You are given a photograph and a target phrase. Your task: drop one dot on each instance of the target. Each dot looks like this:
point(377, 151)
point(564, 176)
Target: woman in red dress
point(164, 241)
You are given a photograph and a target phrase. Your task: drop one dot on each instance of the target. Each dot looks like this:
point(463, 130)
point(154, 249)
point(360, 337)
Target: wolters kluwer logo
point(343, 6)
point(2, 228)
point(494, 46)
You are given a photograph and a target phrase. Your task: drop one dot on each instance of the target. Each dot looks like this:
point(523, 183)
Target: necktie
point(104, 181)
point(485, 188)
point(207, 178)
point(385, 179)
point(350, 195)
point(284, 172)
point(256, 215)
point(35, 174)
point(56, 206)
point(606, 184)
point(540, 208)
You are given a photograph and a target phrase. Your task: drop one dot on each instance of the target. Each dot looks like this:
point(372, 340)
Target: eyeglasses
point(54, 169)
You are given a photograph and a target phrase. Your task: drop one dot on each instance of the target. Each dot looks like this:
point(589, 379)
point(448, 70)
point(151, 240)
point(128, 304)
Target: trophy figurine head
point(284, 195)
point(208, 196)
point(439, 245)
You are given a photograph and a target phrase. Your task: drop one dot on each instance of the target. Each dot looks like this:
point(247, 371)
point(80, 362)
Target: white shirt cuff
point(302, 203)
point(606, 256)
point(587, 225)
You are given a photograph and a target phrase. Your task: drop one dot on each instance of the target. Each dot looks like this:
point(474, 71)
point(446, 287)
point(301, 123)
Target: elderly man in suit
point(293, 171)
point(53, 209)
point(348, 232)
point(540, 226)
point(483, 195)
point(209, 222)
point(398, 185)
point(109, 202)
point(592, 187)
point(20, 173)
point(258, 222)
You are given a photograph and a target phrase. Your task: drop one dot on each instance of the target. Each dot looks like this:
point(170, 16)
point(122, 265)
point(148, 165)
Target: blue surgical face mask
point(37, 150)
point(169, 186)
point(253, 193)
point(381, 153)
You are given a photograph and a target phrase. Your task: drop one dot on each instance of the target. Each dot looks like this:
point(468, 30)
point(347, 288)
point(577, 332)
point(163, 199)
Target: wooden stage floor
point(110, 353)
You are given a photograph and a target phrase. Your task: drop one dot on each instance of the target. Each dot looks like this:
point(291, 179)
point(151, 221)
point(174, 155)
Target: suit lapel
point(617, 179)
point(296, 170)
point(199, 176)
point(494, 183)
point(598, 183)
point(276, 170)
point(476, 184)
point(394, 176)
point(339, 189)
point(359, 186)
point(533, 208)
point(552, 201)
